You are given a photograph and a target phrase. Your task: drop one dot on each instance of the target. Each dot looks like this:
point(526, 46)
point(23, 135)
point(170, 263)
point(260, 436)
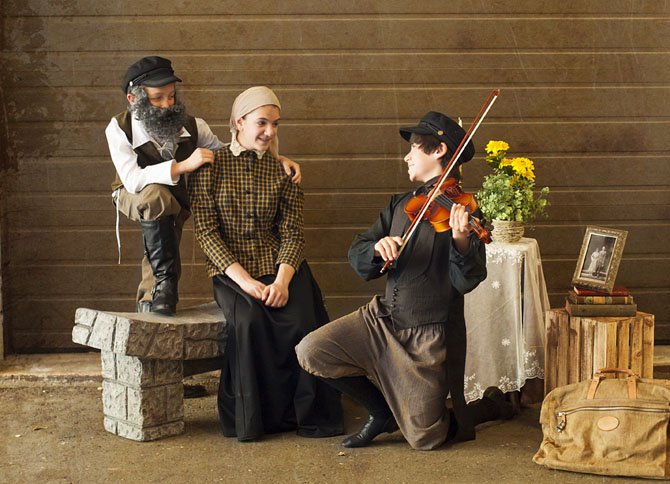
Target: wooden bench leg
point(142, 399)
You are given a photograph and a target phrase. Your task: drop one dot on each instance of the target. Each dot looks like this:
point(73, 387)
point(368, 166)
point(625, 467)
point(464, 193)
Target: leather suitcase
point(608, 426)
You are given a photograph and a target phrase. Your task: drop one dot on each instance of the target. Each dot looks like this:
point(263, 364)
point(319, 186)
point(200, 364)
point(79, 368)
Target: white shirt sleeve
point(133, 177)
point(207, 139)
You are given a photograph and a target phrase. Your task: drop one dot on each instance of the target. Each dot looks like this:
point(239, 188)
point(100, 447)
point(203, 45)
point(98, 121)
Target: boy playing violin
point(403, 353)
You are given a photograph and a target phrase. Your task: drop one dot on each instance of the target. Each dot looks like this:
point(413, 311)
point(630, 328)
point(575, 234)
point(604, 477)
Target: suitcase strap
point(600, 374)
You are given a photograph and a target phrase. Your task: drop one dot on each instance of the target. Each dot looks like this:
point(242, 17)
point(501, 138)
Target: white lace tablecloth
point(505, 320)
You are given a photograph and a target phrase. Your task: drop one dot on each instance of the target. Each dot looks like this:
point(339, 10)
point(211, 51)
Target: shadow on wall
point(9, 154)
point(6, 163)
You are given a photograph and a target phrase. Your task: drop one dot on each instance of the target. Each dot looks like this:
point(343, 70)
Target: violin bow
point(433, 194)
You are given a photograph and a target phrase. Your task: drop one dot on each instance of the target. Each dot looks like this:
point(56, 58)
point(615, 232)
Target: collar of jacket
point(237, 149)
point(427, 186)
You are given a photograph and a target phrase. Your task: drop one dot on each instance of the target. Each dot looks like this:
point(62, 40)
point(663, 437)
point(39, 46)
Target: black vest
point(418, 290)
point(147, 154)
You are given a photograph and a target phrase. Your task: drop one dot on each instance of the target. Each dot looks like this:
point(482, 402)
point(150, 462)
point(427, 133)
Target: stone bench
point(144, 359)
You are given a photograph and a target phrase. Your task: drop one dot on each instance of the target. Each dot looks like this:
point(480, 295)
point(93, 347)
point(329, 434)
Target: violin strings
point(447, 202)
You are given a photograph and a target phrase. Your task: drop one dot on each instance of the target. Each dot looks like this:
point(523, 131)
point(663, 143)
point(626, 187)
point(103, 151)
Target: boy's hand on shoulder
point(201, 156)
point(291, 168)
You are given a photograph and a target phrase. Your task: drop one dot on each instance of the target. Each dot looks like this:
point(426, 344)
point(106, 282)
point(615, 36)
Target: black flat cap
point(150, 71)
point(445, 129)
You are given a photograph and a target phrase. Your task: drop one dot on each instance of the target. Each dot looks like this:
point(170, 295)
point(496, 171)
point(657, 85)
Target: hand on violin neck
point(388, 248)
point(460, 227)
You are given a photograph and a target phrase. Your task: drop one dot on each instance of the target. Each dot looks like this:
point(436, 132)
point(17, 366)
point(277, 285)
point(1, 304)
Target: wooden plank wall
point(584, 93)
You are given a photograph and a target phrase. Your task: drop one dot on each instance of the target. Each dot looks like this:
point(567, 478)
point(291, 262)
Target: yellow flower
point(495, 147)
point(522, 166)
point(508, 193)
point(506, 162)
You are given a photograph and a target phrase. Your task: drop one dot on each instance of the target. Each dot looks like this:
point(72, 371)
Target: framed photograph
point(599, 258)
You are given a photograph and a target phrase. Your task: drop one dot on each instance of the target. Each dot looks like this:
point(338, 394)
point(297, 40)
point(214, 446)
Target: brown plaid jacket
point(247, 210)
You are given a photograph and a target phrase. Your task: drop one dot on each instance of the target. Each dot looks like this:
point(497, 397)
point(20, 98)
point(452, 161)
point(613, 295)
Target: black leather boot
point(380, 420)
point(374, 426)
point(505, 410)
point(162, 248)
point(492, 406)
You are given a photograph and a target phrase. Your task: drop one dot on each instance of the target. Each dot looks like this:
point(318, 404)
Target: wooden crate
point(575, 347)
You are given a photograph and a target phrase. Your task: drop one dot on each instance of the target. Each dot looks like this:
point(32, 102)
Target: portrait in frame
point(599, 258)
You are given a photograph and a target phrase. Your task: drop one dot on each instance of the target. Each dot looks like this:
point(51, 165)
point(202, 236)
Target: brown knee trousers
point(409, 366)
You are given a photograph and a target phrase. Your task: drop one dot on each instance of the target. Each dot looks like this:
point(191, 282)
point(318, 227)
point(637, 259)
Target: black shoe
point(194, 391)
point(144, 307)
point(505, 410)
point(161, 246)
point(372, 428)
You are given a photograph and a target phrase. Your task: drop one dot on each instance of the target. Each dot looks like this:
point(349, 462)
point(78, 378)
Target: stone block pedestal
point(143, 364)
point(142, 399)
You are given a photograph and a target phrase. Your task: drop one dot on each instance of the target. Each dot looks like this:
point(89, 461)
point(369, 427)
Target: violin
point(439, 210)
point(428, 202)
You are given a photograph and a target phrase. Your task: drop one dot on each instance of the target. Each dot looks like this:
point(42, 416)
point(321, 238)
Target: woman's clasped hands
point(274, 295)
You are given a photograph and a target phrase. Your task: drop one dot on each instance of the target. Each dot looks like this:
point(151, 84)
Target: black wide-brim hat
point(150, 71)
point(445, 129)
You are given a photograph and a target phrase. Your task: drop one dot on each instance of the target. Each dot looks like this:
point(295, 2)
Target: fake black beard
point(162, 124)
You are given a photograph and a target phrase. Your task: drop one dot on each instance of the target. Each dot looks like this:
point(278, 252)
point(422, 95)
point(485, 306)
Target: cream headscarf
point(251, 99)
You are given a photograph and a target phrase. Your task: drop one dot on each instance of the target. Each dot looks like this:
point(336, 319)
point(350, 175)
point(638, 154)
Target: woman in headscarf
point(249, 222)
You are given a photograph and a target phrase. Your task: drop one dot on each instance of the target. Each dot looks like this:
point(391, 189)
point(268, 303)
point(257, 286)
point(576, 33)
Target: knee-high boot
point(161, 246)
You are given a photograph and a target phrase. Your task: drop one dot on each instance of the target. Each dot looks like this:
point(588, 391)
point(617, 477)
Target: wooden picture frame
point(599, 258)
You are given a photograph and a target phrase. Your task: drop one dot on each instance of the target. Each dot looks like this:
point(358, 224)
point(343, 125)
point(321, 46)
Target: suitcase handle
point(625, 371)
point(600, 374)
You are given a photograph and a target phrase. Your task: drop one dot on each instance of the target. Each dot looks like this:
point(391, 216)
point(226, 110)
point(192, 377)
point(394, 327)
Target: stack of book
point(587, 302)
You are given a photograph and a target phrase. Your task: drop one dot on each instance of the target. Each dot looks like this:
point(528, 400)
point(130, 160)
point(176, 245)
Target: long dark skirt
point(262, 387)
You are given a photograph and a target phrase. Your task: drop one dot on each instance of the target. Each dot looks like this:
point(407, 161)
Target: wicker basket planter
point(507, 230)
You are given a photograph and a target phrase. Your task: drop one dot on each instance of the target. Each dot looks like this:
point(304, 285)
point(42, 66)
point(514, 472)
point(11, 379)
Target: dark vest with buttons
point(417, 291)
point(147, 154)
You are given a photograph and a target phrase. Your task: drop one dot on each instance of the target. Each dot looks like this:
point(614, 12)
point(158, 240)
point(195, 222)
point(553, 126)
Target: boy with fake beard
point(154, 144)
